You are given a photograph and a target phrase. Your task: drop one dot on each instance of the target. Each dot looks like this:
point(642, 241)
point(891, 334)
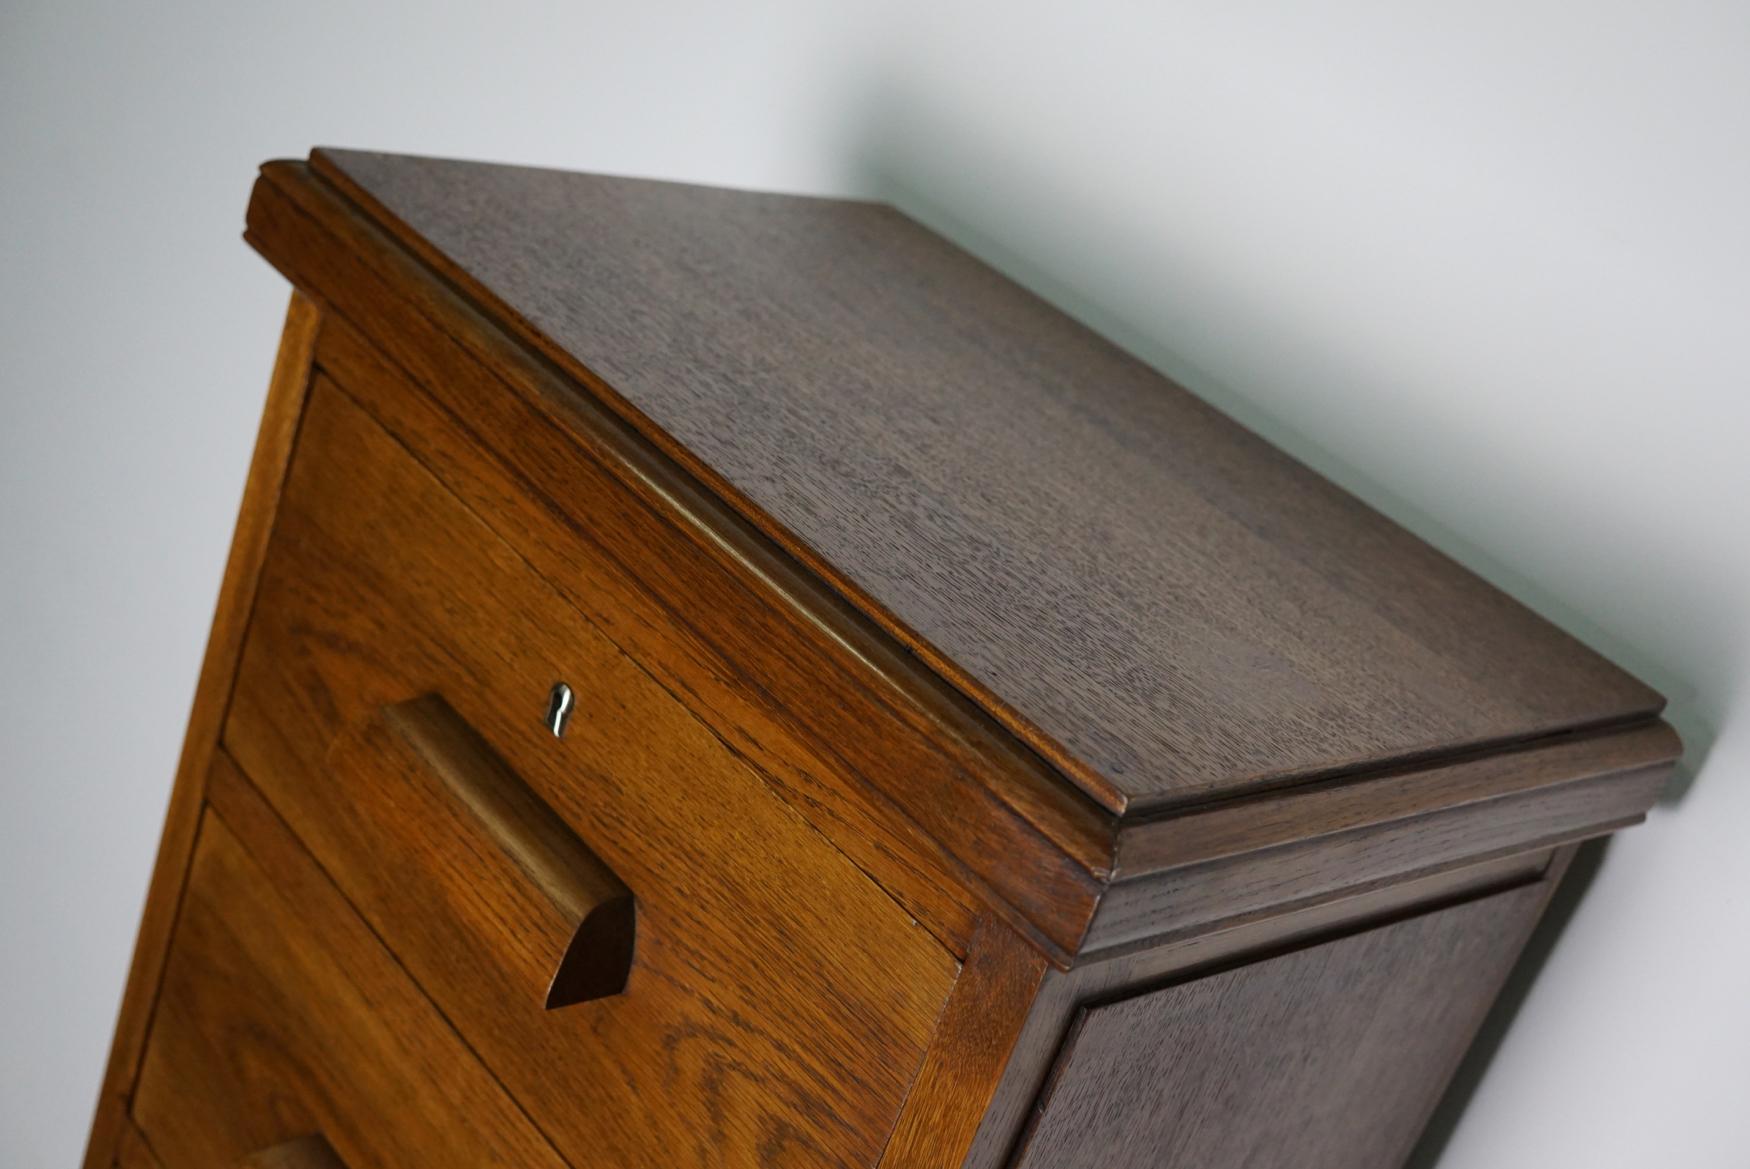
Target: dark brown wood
point(282, 1015)
point(1160, 602)
point(1139, 969)
point(1246, 860)
point(1329, 1057)
point(1493, 788)
point(273, 450)
point(779, 1003)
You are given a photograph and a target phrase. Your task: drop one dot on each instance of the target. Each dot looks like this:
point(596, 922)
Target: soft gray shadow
point(1010, 217)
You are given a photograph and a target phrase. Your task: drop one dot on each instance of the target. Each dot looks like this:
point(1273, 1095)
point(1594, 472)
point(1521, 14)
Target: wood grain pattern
point(969, 1052)
point(779, 1003)
point(1492, 787)
point(1153, 597)
point(917, 786)
point(1011, 761)
point(1356, 849)
point(739, 660)
point(426, 736)
point(273, 450)
point(1323, 1058)
point(1121, 973)
point(282, 1016)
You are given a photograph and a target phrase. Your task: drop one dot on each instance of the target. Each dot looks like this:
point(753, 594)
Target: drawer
point(285, 1033)
point(660, 959)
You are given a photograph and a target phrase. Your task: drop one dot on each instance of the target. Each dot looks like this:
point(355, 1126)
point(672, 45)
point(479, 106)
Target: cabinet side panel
point(261, 491)
point(1329, 1057)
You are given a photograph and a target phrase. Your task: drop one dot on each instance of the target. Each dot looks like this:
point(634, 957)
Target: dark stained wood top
point(1162, 604)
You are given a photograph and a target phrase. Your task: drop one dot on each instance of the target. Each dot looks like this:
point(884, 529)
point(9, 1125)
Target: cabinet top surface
point(1157, 600)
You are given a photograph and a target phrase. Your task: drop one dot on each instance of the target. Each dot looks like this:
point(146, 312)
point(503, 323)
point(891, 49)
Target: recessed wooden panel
point(281, 1017)
point(1324, 1058)
point(778, 1003)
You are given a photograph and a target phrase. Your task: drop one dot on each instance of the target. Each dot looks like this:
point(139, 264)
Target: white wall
point(1487, 264)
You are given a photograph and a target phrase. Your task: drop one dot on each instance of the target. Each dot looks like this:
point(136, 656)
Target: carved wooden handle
point(598, 959)
point(311, 1152)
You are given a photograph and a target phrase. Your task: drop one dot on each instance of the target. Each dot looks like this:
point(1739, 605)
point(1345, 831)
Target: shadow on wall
point(1017, 219)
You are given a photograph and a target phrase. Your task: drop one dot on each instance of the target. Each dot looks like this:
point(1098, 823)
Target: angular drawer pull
point(598, 958)
point(311, 1152)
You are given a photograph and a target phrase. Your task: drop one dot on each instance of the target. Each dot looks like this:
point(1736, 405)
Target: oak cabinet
point(708, 678)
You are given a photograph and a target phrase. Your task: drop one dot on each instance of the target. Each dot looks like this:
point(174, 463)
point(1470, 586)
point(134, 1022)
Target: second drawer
point(284, 1035)
point(392, 703)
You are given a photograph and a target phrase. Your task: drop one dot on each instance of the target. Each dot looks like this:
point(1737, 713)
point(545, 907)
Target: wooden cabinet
point(721, 679)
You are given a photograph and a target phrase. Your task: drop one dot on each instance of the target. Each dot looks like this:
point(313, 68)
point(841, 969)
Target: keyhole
point(560, 700)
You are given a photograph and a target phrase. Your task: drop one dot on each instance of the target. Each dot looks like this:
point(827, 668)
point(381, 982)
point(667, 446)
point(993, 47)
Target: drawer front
point(393, 703)
point(284, 1031)
point(1328, 1057)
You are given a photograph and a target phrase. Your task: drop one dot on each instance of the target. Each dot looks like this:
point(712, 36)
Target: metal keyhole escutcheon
point(560, 701)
